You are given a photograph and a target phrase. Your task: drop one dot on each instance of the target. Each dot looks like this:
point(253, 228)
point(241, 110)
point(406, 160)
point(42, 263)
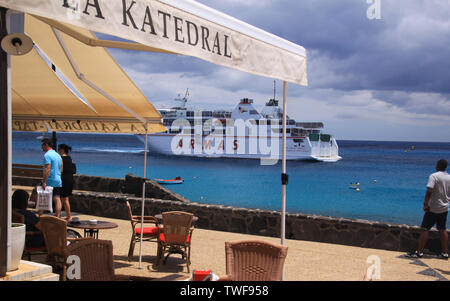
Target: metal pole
point(54, 141)
point(143, 196)
point(284, 175)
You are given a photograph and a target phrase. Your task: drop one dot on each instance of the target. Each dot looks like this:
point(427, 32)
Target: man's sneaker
point(415, 254)
point(444, 256)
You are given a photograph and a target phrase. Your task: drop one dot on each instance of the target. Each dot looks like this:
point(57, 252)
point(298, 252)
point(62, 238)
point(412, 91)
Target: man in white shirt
point(435, 206)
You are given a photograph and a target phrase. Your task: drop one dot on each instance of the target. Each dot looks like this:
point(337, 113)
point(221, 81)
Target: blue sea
point(392, 175)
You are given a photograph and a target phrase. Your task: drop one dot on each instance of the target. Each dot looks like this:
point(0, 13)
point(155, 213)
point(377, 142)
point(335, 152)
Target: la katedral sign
point(161, 23)
point(73, 126)
point(183, 27)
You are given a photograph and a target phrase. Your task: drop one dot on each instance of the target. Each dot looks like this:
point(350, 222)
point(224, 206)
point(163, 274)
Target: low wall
point(129, 185)
point(358, 233)
point(107, 197)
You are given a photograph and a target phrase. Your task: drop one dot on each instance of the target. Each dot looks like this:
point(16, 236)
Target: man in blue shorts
point(436, 203)
point(52, 173)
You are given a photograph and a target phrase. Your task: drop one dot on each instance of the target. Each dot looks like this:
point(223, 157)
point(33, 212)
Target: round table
point(91, 229)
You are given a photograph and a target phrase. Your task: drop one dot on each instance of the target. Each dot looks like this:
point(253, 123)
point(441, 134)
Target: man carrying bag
point(52, 173)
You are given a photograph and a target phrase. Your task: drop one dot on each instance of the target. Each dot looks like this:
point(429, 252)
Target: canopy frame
point(100, 42)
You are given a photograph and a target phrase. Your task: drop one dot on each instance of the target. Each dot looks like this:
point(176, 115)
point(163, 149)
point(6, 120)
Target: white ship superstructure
point(241, 133)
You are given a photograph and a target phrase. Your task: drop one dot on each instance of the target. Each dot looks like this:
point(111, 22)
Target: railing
point(27, 170)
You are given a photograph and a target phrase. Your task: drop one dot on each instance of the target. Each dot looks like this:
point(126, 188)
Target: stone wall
point(107, 197)
point(358, 233)
point(130, 185)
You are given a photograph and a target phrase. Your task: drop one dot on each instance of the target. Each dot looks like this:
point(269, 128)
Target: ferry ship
point(241, 133)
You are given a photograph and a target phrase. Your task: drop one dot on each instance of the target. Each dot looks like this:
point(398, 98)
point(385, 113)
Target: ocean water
point(392, 180)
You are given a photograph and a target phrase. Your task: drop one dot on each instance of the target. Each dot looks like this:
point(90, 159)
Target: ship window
point(298, 140)
point(253, 112)
point(173, 131)
point(168, 122)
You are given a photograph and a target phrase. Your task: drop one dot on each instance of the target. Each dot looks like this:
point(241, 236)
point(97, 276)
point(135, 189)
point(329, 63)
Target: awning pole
point(284, 175)
point(143, 196)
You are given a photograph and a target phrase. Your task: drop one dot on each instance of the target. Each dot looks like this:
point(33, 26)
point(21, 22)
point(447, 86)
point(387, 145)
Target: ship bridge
point(245, 110)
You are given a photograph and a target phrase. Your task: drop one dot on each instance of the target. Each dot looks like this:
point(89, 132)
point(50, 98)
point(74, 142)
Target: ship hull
point(270, 148)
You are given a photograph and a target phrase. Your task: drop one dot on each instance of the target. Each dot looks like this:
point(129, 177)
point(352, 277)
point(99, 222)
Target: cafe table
point(91, 229)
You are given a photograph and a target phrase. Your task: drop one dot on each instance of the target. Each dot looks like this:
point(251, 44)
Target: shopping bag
point(45, 198)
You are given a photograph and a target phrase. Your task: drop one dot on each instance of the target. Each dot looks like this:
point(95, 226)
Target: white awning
point(180, 26)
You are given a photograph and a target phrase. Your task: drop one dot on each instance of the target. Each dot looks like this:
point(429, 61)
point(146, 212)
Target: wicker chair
point(96, 262)
point(55, 236)
point(254, 260)
point(175, 236)
point(148, 233)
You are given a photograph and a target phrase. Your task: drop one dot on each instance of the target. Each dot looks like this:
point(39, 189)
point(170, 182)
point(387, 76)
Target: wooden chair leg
point(188, 257)
point(131, 250)
point(64, 272)
point(161, 256)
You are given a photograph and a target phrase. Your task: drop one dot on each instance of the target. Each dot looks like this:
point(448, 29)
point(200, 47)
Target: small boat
point(177, 180)
point(354, 185)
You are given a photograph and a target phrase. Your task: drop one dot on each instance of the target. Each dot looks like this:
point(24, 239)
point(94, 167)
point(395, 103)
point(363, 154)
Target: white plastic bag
point(45, 198)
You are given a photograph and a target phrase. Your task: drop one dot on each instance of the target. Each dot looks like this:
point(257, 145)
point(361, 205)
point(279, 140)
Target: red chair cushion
point(163, 239)
point(148, 231)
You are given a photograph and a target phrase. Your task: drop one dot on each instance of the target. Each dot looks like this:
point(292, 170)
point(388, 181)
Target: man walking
point(52, 173)
point(435, 206)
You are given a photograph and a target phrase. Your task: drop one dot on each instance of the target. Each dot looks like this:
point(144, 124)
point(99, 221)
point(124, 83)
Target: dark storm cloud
point(407, 49)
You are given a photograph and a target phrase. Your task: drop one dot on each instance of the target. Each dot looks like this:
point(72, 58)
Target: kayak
point(169, 181)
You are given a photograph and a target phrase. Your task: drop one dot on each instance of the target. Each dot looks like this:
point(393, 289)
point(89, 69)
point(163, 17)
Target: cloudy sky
point(382, 78)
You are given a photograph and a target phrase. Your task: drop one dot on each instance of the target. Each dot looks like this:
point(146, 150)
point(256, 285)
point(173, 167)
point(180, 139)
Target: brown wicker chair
point(175, 236)
point(254, 260)
point(30, 251)
point(55, 236)
point(148, 233)
point(97, 262)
